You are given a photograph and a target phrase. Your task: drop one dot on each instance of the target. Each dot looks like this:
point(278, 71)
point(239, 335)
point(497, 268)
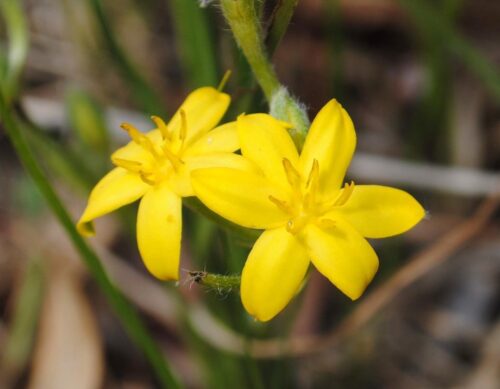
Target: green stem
point(129, 317)
point(242, 18)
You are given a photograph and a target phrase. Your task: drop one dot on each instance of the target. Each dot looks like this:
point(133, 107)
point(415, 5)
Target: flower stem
point(242, 17)
point(127, 314)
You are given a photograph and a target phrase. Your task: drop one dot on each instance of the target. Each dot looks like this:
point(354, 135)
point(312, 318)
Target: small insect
point(223, 285)
point(197, 276)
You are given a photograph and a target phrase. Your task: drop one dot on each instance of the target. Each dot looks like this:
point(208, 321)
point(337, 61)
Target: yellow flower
point(156, 166)
point(306, 214)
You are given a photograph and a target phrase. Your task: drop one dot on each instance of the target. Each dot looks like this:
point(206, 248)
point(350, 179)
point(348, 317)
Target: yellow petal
point(380, 211)
point(266, 142)
point(273, 273)
point(204, 108)
point(331, 141)
point(343, 256)
point(159, 227)
point(239, 196)
point(221, 139)
point(181, 181)
point(114, 190)
point(133, 152)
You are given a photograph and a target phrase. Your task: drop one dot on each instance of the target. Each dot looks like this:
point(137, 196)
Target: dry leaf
point(69, 351)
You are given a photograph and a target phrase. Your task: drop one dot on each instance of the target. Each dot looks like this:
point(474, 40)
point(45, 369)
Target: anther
point(162, 126)
point(280, 204)
point(312, 180)
point(145, 178)
point(139, 138)
point(345, 194)
point(292, 175)
point(132, 166)
point(183, 130)
point(133, 132)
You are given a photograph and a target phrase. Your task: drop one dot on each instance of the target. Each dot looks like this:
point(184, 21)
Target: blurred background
point(421, 81)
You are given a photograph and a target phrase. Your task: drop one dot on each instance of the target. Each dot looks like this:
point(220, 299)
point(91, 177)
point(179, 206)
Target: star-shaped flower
point(306, 213)
point(156, 167)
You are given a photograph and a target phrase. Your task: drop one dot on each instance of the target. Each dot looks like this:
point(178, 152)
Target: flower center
point(305, 204)
point(163, 157)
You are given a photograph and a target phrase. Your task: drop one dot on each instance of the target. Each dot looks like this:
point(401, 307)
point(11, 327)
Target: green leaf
point(278, 23)
point(195, 42)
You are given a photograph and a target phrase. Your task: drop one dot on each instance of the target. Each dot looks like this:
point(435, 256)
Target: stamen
point(312, 180)
point(281, 204)
point(224, 80)
point(139, 138)
point(174, 159)
point(146, 179)
point(132, 166)
point(162, 126)
point(309, 200)
point(183, 131)
point(345, 194)
point(292, 175)
point(133, 132)
point(326, 223)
